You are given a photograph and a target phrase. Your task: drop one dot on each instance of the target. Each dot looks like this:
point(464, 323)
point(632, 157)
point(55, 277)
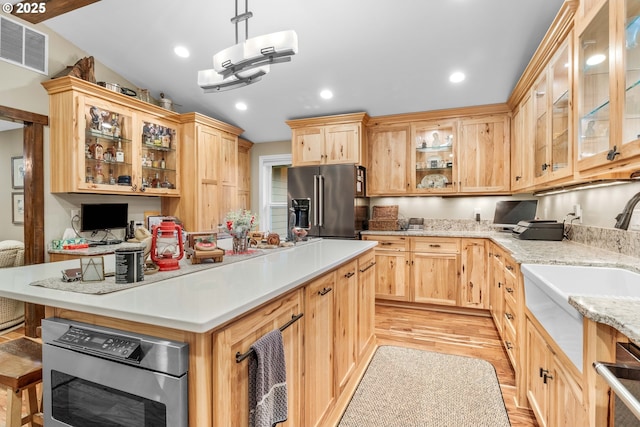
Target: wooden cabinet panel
point(392, 276)
point(435, 244)
point(319, 350)
point(390, 243)
point(342, 144)
point(474, 286)
point(483, 153)
point(497, 285)
point(346, 327)
point(244, 174)
point(366, 301)
point(308, 146)
point(435, 278)
point(387, 166)
point(537, 362)
point(565, 400)
point(328, 140)
point(230, 399)
point(522, 146)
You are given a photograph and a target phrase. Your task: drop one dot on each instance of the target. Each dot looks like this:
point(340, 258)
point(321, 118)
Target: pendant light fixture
point(245, 63)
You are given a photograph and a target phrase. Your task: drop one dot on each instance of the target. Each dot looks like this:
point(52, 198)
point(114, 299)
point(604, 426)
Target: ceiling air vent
point(23, 46)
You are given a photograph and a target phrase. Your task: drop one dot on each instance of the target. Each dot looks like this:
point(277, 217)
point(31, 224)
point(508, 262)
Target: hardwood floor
point(458, 334)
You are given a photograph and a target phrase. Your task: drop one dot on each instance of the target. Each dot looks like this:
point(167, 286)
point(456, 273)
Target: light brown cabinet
point(346, 330)
point(328, 140)
point(554, 392)
point(319, 392)
point(244, 173)
point(474, 284)
point(104, 142)
point(522, 146)
point(435, 274)
point(230, 398)
point(446, 271)
point(209, 162)
point(388, 163)
point(483, 154)
point(366, 303)
point(607, 82)
point(458, 151)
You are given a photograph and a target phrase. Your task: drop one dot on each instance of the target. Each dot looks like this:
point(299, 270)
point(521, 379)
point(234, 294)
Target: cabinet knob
point(510, 268)
point(508, 345)
point(510, 290)
point(349, 274)
point(508, 316)
point(518, 177)
point(545, 166)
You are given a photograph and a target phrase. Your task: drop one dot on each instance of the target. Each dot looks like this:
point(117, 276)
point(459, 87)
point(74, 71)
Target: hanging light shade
point(211, 81)
point(255, 52)
point(245, 63)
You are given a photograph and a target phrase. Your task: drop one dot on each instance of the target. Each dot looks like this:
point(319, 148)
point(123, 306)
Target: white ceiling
point(383, 57)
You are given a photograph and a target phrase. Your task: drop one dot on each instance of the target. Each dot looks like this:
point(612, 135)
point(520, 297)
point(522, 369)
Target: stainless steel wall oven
point(96, 376)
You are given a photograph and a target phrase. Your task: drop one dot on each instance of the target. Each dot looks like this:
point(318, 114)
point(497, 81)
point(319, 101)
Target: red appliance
point(167, 248)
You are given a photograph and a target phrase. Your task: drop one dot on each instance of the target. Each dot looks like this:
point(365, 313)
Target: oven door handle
point(604, 370)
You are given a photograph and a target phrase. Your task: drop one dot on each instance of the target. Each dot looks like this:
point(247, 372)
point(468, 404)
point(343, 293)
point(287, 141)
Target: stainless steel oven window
point(79, 402)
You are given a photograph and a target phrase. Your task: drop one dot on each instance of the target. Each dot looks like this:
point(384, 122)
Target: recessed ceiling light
point(241, 106)
point(456, 77)
point(181, 51)
point(326, 94)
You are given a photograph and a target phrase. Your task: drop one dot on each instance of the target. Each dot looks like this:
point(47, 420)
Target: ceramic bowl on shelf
point(434, 181)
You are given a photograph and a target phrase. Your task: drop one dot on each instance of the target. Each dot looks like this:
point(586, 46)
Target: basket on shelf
point(384, 218)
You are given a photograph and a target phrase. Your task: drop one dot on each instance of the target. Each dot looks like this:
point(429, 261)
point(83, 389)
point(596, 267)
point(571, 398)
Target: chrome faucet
point(624, 217)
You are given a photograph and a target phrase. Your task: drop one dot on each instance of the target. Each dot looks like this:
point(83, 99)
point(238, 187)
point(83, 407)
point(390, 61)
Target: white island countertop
point(195, 302)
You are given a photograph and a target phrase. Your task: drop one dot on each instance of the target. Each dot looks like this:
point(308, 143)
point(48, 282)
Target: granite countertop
point(196, 302)
point(619, 313)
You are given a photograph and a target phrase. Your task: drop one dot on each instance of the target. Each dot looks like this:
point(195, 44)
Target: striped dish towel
point(267, 381)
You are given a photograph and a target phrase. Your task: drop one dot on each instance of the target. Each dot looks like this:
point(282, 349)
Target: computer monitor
point(103, 216)
point(510, 212)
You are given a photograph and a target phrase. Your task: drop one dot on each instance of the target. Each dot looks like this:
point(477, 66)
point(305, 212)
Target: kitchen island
point(223, 310)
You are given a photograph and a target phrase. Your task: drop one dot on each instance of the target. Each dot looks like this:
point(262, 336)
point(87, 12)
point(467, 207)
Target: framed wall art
point(17, 172)
point(17, 208)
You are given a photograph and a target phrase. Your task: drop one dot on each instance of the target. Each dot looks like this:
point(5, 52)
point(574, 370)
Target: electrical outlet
point(75, 213)
point(577, 210)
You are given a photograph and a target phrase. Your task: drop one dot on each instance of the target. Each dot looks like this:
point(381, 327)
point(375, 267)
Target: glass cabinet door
point(107, 148)
point(560, 88)
point(593, 62)
point(541, 138)
point(434, 158)
point(159, 160)
point(631, 121)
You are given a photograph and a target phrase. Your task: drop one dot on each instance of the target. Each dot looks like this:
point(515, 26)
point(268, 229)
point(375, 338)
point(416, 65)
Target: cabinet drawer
point(510, 316)
point(511, 267)
point(440, 245)
point(511, 291)
point(509, 341)
point(390, 243)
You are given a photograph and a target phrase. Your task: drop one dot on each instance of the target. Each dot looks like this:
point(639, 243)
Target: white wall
point(10, 146)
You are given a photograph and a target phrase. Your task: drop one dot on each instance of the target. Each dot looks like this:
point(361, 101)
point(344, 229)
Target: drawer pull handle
point(499, 285)
point(324, 291)
point(510, 290)
point(510, 268)
point(508, 345)
point(350, 274)
point(434, 246)
point(367, 267)
point(509, 316)
point(385, 243)
point(496, 255)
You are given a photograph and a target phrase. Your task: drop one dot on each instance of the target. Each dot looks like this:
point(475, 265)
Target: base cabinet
point(474, 286)
point(230, 398)
point(553, 393)
point(435, 271)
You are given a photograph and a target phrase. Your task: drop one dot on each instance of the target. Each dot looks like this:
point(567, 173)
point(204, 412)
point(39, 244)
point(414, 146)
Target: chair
point(11, 311)
point(20, 370)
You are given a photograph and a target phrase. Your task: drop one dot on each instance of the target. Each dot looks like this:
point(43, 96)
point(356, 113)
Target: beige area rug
point(409, 388)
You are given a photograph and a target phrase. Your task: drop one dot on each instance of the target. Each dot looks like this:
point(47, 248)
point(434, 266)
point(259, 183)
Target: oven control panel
point(97, 342)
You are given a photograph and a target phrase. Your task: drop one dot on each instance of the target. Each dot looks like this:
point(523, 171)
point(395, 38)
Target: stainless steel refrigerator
point(337, 206)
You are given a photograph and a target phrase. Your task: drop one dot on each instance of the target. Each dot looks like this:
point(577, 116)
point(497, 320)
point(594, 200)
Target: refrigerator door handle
point(320, 203)
point(315, 200)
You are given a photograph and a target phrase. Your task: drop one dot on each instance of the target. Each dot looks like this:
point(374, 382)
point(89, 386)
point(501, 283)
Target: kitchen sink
point(547, 291)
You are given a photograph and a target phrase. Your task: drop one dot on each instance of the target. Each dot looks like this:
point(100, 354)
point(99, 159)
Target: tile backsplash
point(611, 239)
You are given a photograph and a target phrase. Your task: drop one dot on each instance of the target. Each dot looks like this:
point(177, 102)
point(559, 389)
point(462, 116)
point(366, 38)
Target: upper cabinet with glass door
point(104, 142)
point(609, 112)
point(433, 157)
